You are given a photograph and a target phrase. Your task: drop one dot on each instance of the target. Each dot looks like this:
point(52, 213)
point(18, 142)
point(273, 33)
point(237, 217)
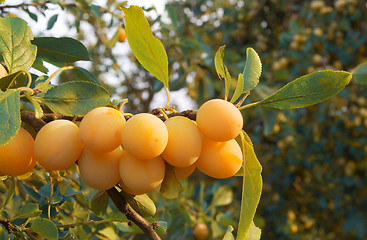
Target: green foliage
point(251, 188)
point(15, 45)
point(252, 70)
point(99, 203)
point(147, 49)
point(170, 187)
point(14, 80)
point(222, 70)
point(75, 98)
point(308, 90)
point(9, 115)
point(45, 228)
point(28, 211)
point(254, 233)
point(320, 146)
point(60, 51)
point(143, 204)
point(360, 73)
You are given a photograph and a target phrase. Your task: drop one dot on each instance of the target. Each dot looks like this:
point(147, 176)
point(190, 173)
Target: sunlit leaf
point(229, 235)
point(308, 90)
point(254, 233)
point(147, 49)
point(171, 187)
point(239, 88)
point(222, 70)
point(251, 188)
point(223, 196)
point(252, 70)
point(142, 204)
point(15, 44)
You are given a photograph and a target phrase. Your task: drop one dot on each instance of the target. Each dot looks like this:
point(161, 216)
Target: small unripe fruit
point(141, 176)
point(3, 72)
point(100, 129)
point(57, 145)
point(100, 170)
point(219, 120)
point(122, 34)
point(16, 156)
point(184, 142)
point(144, 136)
point(201, 231)
point(219, 159)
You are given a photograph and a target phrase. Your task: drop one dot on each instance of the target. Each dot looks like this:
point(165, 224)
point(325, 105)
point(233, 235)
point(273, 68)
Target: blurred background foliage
point(314, 159)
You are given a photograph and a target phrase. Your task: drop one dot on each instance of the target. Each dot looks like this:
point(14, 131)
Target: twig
point(132, 215)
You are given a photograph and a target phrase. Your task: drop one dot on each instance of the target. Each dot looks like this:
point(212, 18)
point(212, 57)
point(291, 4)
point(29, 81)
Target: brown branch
point(132, 215)
point(6, 223)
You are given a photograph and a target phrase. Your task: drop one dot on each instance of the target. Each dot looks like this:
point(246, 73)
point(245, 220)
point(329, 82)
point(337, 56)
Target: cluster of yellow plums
point(110, 150)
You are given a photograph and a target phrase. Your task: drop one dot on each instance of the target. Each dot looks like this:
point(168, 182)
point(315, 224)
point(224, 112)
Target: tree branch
point(132, 215)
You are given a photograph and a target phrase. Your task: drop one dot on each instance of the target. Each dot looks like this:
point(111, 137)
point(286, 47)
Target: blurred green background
point(314, 159)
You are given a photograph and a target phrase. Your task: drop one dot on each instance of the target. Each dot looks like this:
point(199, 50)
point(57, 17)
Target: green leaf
point(308, 90)
point(252, 70)
point(171, 187)
point(10, 192)
point(99, 203)
point(28, 211)
point(15, 80)
point(75, 98)
point(222, 70)
point(360, 73)
point(147, 49)
point(142, 204)
point(84, 75)
point(38, 65)
point(239, 88)
point(9, 115)
point(222, 197)
point(229, 235)
point(60, 51)
point(15, 44)
point(51, 22)
point(45, 228)
point(254, 233)
point(116, 216)
point(251, 188)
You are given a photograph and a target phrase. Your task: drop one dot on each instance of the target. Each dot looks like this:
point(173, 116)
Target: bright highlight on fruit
point(184, 142)
point(100, 129)
point(141, 176)
point(219, 120)
point(100, 170)
point(16, 156)
point(220, 159)
point(57, 145)
point(144, 136)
